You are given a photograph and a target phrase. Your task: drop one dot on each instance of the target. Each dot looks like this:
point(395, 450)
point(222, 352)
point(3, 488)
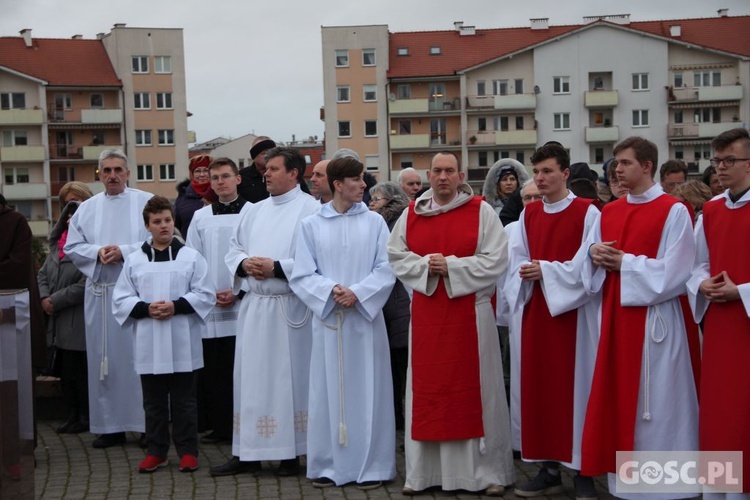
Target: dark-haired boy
point(165, 290)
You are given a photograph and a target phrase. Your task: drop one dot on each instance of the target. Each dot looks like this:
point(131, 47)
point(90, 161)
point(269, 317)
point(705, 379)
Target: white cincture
point(339, 312)
point(100, 290)
point(658, 320)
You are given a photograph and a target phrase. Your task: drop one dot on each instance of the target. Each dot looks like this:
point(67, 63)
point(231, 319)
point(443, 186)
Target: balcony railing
point(25, 191)
point(601, 98)
point(22, 154)
point(88, 116)
point(501, 137)
point(65, 152)
point(693, 130)
point(21, 117)
point(511, 102)
point(705, 94)
point(602, 134)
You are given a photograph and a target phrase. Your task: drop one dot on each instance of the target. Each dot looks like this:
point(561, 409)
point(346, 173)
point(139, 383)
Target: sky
point(256, 67)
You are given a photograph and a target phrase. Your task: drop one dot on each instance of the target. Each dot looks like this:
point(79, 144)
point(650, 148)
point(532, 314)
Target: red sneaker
point(151, 463)
point(188, 463)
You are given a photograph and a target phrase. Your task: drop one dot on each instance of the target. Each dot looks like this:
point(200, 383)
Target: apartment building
point(498, 93)
point(63, 101)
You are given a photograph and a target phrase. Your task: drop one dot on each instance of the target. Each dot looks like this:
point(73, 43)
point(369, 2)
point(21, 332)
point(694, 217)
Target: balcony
point(696, 130)
point(705, 94)
point(21, 117)
point(516, 138)
point(410, 141)
point(409, 106)
point(39, 228)
point(101, 116)
point(93, 152)
point(25, 191)
point(65, 152)
point(601, 99)
point(602, 134)
point(512, 102)
point(22, 154)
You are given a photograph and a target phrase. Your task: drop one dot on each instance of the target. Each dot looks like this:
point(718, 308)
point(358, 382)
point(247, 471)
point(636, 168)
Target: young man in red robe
point(719, 292)
point(643, 394)
point(558, 335)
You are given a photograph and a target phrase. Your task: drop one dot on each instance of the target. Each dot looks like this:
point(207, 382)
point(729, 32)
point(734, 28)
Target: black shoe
point(543, 484)
point(584, 488)
point(63, 429)
point(288, 467)
point(142, 443)
point(109, 440)
point(234, 466)
point(369, 485)
point(214, 437)
point(323, 482)
point(78, 427)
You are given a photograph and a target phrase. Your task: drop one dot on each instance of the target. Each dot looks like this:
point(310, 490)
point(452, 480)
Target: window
point(518, 82)
point(63, 101)
point(481, 87)
point(402, 51)
point(372, 163)
point(66, 174)
point(16, 175)
point(562, 121)
point(97, 138)
point(435, 51)
point(342, 58)
point(142, 137)
point(407, 161)
point(142, 100)
point(702, 151)
point(139, 64)
point(404, 91)
point(166, 137)
point(678, 116)
point(640, 118)
point(598, 155)
point(707, 78)
point(368, 57)
point(561, 85)
point(679, 153)
point(345, 129)
point(404, 127)
point(162, 64)
point(598, 118)
point(504, 154)
point(371, 128)
point(308, 159)
point(12, 100)
point(519, 122)
point(145, 172)
point(482, 124)
point(707, 115)
point(503, 124)
point(678, 81)
point(640, 81)
point(500, 87)
point(97, 101)
point(164, 100)
point(342, 94)
point(166, 172)
point(520, 157)
point(482, 158)
point(370, 93)
point(15, 138)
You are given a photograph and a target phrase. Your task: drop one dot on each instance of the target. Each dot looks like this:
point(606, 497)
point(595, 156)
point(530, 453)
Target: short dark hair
point(292, 159)
point(706, 177)
point(449, 153)
point(583, 188)
point(725, 139)
point(644, 150)
point(552, 150)
point(341, 168)
point(673, 167)
point(155, 205)
point(224, 162)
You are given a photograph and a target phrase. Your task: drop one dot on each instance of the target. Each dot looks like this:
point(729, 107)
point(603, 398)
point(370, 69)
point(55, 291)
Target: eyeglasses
point(533, 197)
point(378, 198)
point(200, 171)
point(728, 162)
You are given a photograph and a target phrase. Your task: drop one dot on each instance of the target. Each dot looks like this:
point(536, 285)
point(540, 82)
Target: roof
point(60, 62)
point(459, 52)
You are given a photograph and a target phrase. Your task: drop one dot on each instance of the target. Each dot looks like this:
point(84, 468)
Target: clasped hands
point(343, 296)
point(259, 268)
point(110, 254)
point(161, 309)
point(605, 255)
point(719, 288)
point(438, 265)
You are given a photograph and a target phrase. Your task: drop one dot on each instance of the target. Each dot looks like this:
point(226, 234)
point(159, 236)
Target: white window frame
point(403, 91)
point(561, 121)
point(481, 87)
point(144, 172)
point(376, 128)
point(370, 89)
point(518, 86)
point(139, 65)
point(67, 100)
point(143, 138)
point(162, 65)
point(166, 137)
point(402, 51)
point(349, 125)
point(368, 52)
point(640, 82)
point(141, 100)
point(342, 58)
point(679, 79)
point(10, 100)
point(164, 172)
point(435, 50)
point(561, 85)
point(163, 97)
point(343, 89)
point(91, 100)
point(500, 87)
point(10, 138)
point(707, 78)
point(640, 118)
point(15, 173)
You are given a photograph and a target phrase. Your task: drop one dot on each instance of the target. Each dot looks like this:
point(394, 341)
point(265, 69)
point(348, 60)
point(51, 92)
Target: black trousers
point(158, 391)
point(75, 384)
point(215, 386)
point(399, 364)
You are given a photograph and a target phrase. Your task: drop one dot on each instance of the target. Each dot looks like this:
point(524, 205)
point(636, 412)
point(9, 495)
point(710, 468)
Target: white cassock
point(115, 398)
point(165, 346)
point(352, 434)
point(209, 234)
point(272, 353)
point(667, 387)
point(563, 292)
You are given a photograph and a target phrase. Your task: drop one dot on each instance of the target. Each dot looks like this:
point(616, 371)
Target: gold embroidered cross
point(300, 421)
point(266, 426)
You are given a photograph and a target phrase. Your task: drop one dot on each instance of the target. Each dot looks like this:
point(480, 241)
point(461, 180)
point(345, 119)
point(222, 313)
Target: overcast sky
point(257, 68)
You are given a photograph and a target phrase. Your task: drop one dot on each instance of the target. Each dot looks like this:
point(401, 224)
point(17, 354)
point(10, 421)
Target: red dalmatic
point(613, 402)
point(548, 345)
point(446, 386)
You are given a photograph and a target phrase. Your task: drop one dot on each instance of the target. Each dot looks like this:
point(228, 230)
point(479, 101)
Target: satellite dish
point(536, 89)
point(391, 96)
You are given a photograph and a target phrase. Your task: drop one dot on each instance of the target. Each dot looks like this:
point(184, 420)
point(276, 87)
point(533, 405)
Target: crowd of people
point(547, 316)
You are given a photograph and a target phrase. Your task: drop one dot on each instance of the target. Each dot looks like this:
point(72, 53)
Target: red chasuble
point(548, 345)
point(613, 402)
point(725, 392)
point(446, 387)
point(691, 328)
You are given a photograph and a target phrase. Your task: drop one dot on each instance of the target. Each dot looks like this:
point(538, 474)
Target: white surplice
point(272, 353)
point(470, 464)
point(209, 234)
point(115, 398)
point(563, 292)
point(352, 433)
point(165, 346)
point(667, 413)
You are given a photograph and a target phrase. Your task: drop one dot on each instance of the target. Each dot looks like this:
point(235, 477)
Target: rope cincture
point(657, 319)
point(338, 327)
point(100, 290)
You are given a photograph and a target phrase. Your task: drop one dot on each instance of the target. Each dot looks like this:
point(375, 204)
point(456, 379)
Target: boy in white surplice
point(165, 289)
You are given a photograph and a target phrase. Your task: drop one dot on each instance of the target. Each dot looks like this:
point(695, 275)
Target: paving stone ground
point(69, 468)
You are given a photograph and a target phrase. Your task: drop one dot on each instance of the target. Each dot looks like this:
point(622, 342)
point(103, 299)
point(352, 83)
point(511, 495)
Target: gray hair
point(527, 182)
point(407, 170)
point(113, 153)
point(345, 153)
point(391, 191)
